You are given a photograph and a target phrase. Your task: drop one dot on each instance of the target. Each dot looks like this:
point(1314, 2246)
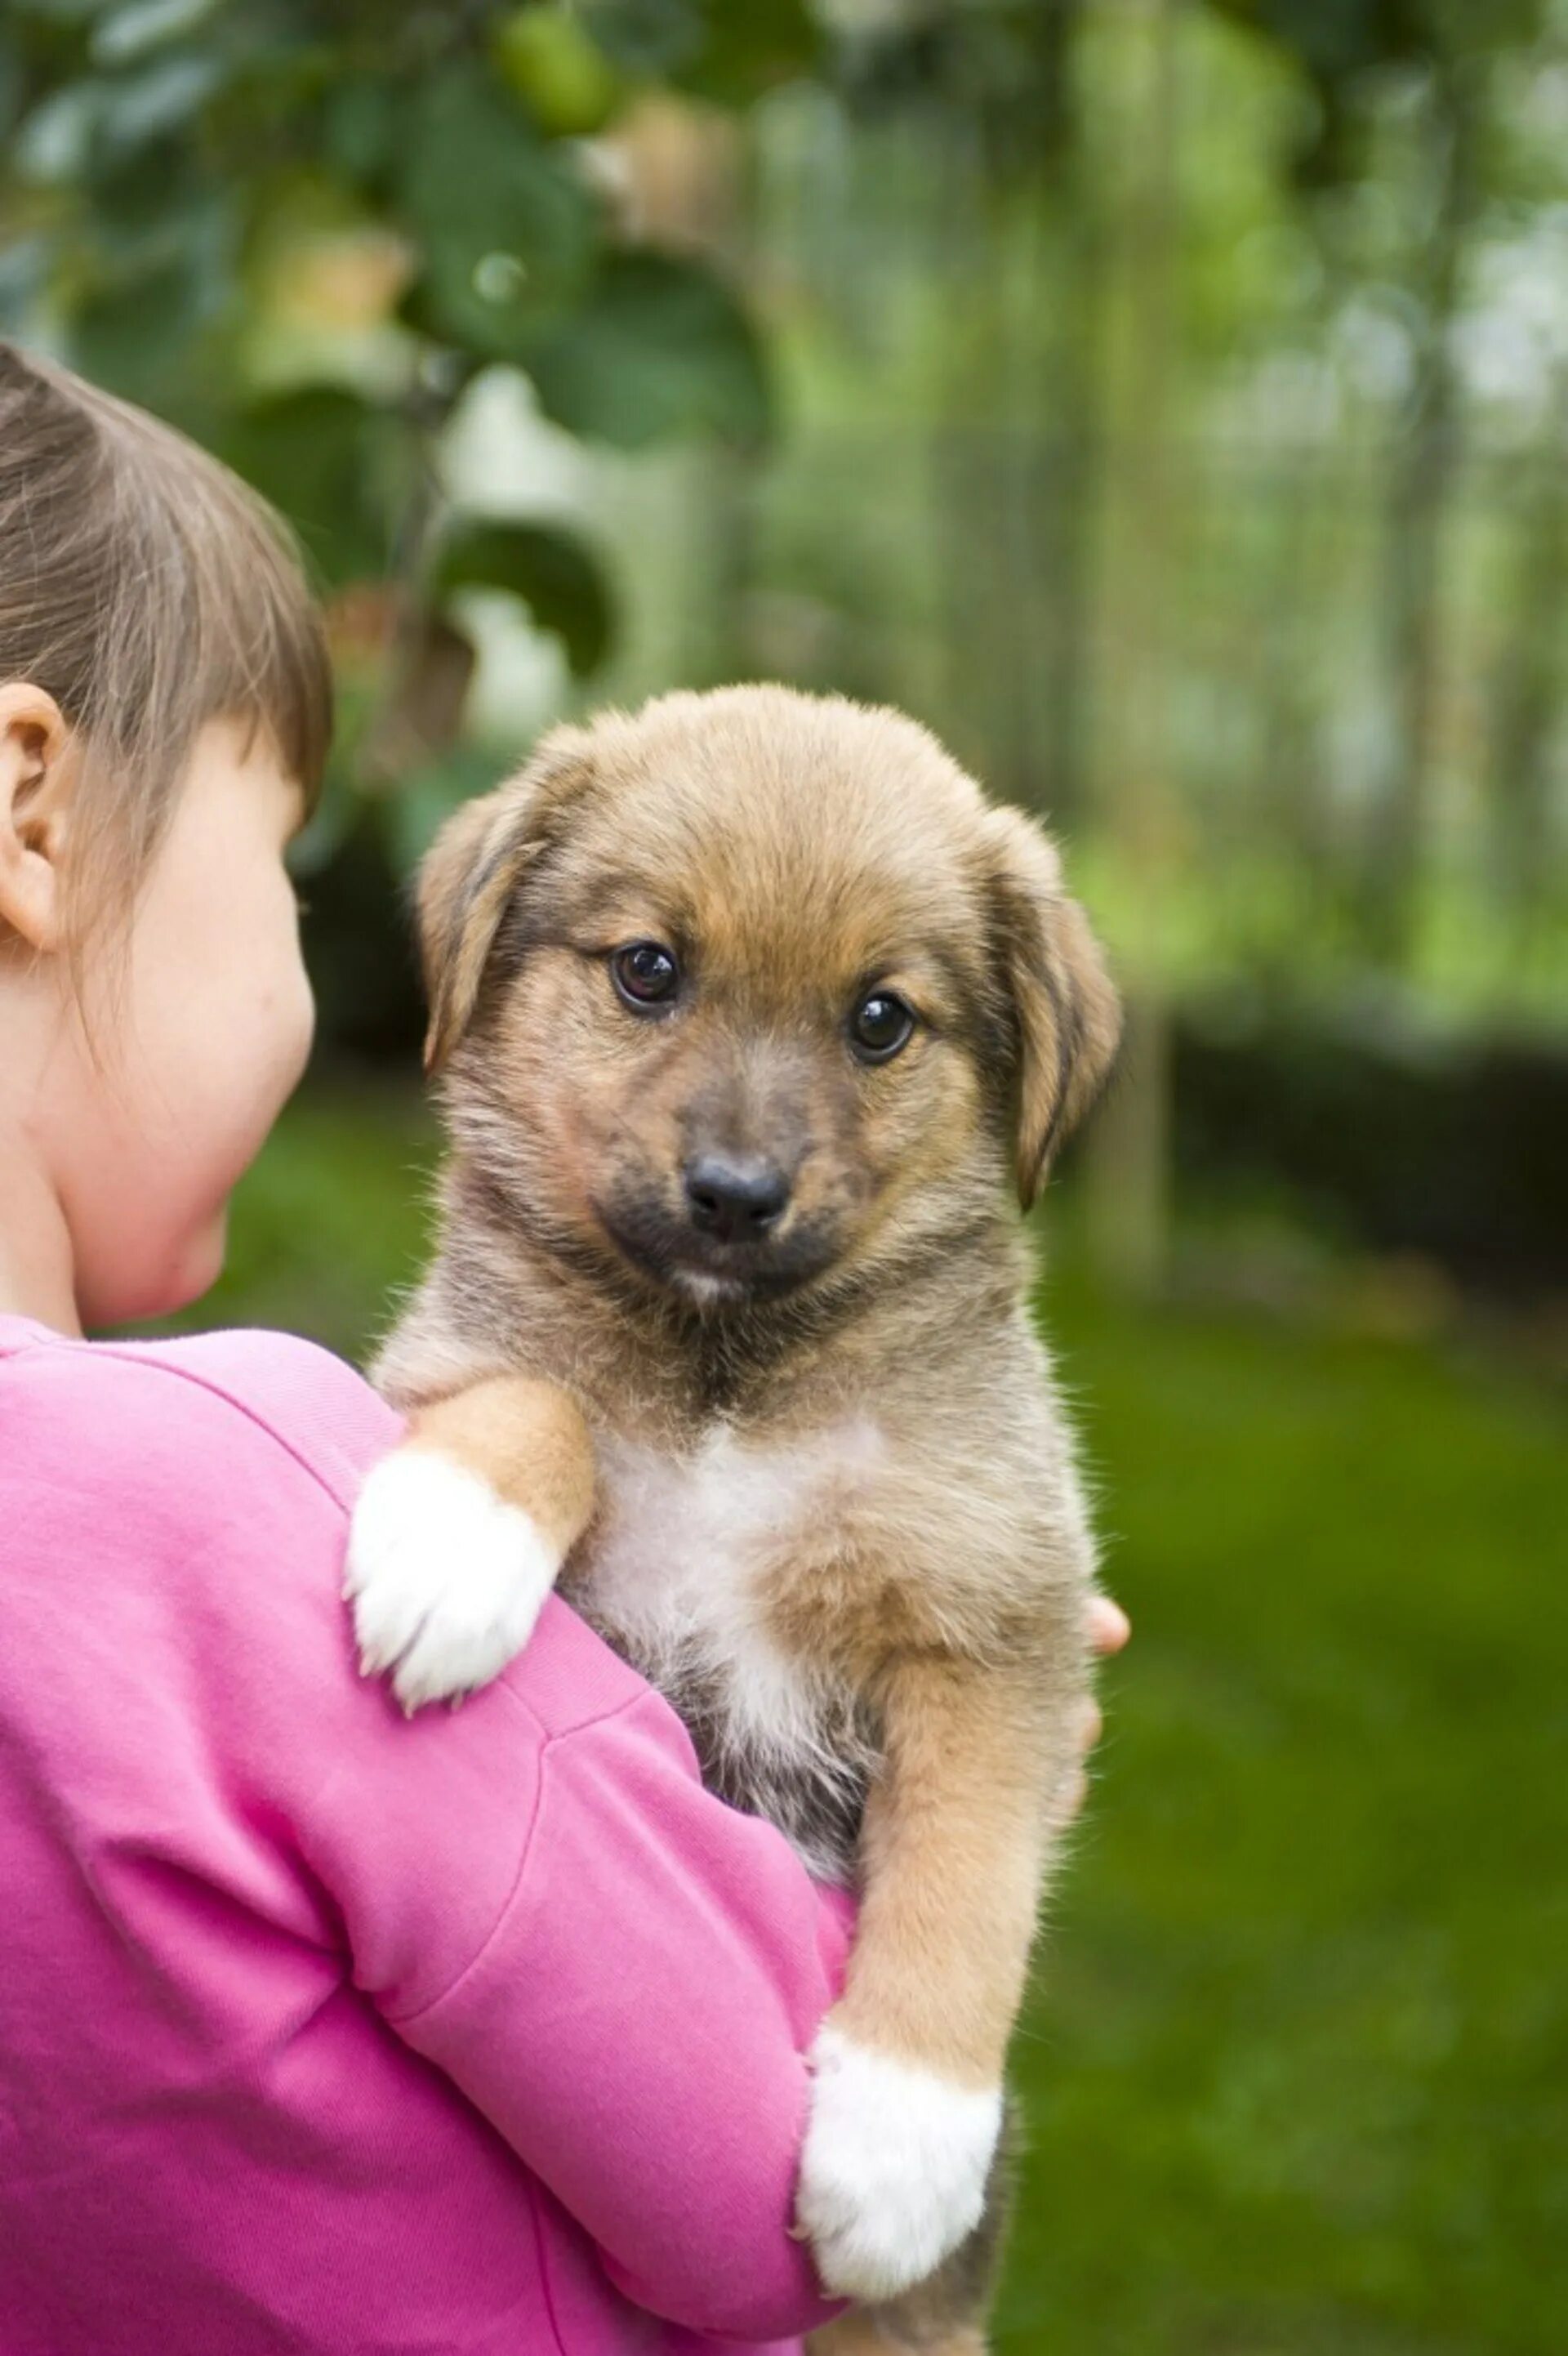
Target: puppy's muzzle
point(735, 1198)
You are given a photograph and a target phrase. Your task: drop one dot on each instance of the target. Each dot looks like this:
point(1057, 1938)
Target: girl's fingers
point(1109, 1629)
point(1109, 1626)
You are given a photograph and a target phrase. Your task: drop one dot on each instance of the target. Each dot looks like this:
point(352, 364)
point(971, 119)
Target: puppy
point(755, 1025)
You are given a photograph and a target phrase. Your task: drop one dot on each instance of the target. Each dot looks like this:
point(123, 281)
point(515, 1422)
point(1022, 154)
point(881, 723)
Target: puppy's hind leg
point(458, 1535)
point(855, 2334)
point(861, 2332)
point(945, 2315)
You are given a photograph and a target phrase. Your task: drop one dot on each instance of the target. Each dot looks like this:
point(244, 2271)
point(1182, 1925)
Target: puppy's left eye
point(880, 1026)
point(645, 974)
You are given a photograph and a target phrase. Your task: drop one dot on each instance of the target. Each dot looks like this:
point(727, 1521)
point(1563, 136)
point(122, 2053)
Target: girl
point(319, 2032)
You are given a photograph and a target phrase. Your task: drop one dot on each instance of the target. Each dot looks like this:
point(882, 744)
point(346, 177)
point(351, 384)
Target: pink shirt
point(320, 2031)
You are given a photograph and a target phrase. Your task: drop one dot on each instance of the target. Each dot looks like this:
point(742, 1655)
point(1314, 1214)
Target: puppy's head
point(754, 989)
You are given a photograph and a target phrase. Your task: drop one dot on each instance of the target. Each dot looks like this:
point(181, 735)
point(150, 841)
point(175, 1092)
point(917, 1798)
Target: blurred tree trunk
point(1067, 475)
point(709, 204)
point(1038, 157)
point(1425, 462)
point(964, 437)
point(1526, 697)
point(1018, 410)
point(1291, 804)
point(1129, 1146)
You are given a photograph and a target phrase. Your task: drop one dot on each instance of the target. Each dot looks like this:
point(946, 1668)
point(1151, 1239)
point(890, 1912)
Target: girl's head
point(165, 710)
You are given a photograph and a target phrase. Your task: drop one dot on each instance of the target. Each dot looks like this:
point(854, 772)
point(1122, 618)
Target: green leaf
point(336, 466)
point(415, 814)
point(751, 50)
point(660, 347)
point(158, 102)
point(555, 575)
point(62, 12)
point(648, 38)
point(361, 123)
point(54, 141)
point(548, 58)
point(149, 215)
point(157, 276)
point(23, 269)
point(133, 335)
point(720, 51)
point(134, 31)
point(507, 226)
point(10, 85)
point(96, 126)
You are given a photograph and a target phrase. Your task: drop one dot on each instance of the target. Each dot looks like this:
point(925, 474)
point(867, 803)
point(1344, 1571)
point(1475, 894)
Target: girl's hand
point(1109, 1629)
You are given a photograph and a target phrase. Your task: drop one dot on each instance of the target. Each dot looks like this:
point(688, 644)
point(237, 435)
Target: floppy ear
point(1068, 1015)
point(470, 872)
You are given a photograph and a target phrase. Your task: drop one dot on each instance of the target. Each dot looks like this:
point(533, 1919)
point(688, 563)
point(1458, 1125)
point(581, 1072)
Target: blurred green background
point(1166, 400)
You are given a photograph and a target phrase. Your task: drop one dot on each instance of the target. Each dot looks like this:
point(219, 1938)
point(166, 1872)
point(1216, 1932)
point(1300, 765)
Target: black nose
point(735, 1198)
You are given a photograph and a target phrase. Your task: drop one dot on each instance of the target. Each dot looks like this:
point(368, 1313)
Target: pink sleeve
point(536, 1892)
point(634, 2025)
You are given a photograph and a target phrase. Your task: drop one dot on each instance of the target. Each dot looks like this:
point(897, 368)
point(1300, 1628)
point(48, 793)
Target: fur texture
point(804, 1464)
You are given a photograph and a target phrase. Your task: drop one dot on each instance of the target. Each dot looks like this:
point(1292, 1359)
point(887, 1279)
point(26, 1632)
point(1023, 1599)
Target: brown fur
point(518, 1434)
point(922, 1556)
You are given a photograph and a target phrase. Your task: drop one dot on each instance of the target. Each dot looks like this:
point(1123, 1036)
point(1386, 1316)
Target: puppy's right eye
point(880, 1026)
point(645, 974)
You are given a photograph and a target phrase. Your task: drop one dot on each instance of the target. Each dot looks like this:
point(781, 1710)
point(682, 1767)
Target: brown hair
point(148, 590)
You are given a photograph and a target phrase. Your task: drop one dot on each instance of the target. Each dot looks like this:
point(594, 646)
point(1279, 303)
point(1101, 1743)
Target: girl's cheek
point(280, 1052)
point(304, 1040)
point(200, 1264)
point(289, 1020)
point(302, 1017)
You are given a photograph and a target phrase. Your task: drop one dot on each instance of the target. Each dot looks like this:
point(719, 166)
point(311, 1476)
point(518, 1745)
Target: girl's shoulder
point(197, 1410)
point(188, 1499)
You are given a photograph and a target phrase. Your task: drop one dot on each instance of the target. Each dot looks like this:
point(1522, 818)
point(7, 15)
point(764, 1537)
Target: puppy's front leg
point(459, 1534)
point(907, 2068)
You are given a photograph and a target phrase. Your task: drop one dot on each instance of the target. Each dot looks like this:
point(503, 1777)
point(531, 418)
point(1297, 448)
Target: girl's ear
point(472, 871)
point(1067, 1018)
point(37, 773)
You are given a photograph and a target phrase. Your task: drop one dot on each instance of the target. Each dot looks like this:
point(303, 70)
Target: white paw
point(446, 1578)
point(894, 2174)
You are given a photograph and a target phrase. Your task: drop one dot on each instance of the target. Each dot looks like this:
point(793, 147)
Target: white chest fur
point(686, 1556)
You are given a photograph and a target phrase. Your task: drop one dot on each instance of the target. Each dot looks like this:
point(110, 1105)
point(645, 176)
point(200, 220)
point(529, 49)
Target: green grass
point(1297, 2069)
point(1298, 2066)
